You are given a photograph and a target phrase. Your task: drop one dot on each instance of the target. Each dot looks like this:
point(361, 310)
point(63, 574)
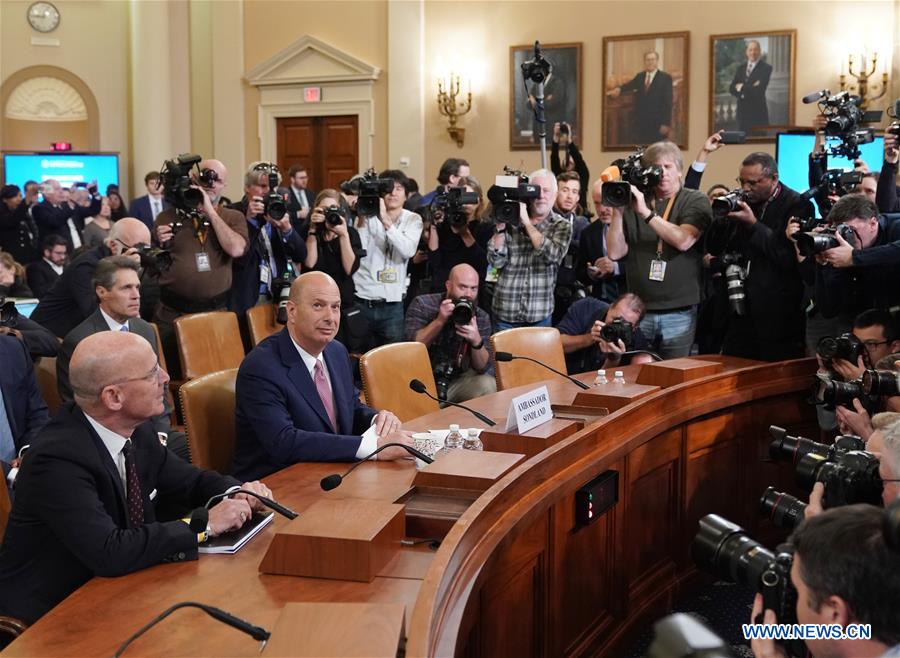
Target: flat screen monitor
point(67, 168)
point(792, 153)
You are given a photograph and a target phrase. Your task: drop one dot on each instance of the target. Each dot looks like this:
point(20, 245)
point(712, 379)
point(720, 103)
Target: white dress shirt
point(155, 205)
point(114, 443)
point(114, 325)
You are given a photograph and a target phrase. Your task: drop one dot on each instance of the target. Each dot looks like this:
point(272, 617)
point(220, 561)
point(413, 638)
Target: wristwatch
point(475, 348)
point(649, 217)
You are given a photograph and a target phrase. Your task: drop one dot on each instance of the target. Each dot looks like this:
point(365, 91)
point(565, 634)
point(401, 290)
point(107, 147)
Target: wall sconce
point(453, 109)
point(864, 71)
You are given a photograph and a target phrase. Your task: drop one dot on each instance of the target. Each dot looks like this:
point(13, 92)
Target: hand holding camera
point(639, 203)
point(469, 332)
point(255, 207)
point(840, 255)
point(743, 214)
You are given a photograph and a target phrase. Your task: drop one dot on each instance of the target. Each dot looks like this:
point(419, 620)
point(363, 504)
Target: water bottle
point(619, 377)
point(472, 442)
point(454, 439)
point(601, 378)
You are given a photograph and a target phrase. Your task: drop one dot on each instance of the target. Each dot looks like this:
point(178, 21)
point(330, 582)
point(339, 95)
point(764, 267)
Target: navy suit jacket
point(70, 521)
point(25, 407)
point(280, 418)
point(140, 209)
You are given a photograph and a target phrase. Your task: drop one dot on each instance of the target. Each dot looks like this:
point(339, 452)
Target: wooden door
point(327, 146)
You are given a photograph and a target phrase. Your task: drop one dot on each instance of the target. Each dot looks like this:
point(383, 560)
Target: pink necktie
point(325, 392)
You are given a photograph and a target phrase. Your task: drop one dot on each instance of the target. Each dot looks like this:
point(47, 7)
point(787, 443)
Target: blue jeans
point(672, 332)
point(500, 325)
point(385, 322)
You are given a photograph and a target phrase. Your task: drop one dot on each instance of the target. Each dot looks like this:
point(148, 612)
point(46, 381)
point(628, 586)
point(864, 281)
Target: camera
point(843, 116)
point(281, 293)
point(622, 174)
point(730, 202)
point(507, 192)
point(884, 383)
point(617, 330)
point(783, 510)
point(724, 550)
point(449, 205)
point(537, 69)
point(444, 373)
point(564, 128)
point(175, 176)
point(794, 448)
point(371, 190)
point(9, 314)
point(846, 346)
point(849, 477)
point(733, 267)
point(810, 244)
point(832, 393)
point(275, 207)
point(154, 259)
point(334, 216)
point(463, 311)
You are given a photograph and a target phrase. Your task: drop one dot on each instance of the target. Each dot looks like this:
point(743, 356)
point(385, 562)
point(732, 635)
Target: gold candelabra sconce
point(862, 69)
point(452, 108)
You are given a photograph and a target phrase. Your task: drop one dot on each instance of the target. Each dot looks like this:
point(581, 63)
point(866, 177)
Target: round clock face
point(43, 16)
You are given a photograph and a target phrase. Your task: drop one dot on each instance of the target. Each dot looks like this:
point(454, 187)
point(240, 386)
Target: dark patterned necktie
point(133, 488)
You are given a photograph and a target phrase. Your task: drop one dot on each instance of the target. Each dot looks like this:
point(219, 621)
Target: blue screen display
point(67, 168)
point(792, 152)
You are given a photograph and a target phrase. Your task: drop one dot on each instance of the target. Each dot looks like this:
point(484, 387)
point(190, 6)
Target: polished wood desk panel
point(513, 576)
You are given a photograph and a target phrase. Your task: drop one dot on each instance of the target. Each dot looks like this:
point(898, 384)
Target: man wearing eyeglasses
point(89, 490)
point(72, 298)
point(769, 326)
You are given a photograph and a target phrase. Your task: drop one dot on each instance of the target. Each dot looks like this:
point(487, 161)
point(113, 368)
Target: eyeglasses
point(139, 245)
point(870, 344)
point(153, 375)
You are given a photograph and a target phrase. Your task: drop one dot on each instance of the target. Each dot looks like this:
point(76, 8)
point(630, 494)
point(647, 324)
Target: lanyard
point(665, 218)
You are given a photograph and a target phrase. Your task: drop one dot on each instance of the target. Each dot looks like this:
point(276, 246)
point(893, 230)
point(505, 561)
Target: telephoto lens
point(783, 510)
point(792, 448)
point(884, 383)
point(463, 311)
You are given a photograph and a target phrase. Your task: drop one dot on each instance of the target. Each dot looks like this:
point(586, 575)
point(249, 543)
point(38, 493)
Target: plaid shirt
point(446, 347)
point(524, 291)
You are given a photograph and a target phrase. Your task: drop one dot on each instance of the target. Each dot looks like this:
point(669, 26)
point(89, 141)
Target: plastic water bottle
point(454, 439)
point(472, 442)
point(619, 377)
point(601, 379)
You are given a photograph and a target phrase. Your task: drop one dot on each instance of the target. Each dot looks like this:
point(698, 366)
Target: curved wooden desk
point(514, 576)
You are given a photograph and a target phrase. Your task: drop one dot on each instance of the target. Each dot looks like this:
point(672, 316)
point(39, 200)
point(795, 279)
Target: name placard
point(529, 410)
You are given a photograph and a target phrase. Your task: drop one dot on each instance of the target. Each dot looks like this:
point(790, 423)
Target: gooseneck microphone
point(256, 632)
point(268, 502)
point(333, 481)
point(419, 387)
point(506, 356)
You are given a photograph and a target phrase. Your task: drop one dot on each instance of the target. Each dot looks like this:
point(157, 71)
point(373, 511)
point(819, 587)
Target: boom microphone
point(815, 96)
point(419, 387)
point(333, 481)
point(506, 356)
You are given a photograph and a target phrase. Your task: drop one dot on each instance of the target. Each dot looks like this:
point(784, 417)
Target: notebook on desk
point(231, 542)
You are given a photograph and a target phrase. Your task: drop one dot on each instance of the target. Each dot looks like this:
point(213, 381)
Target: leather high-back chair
point(386, 372)
point(208, 342)
point(540, 343)
point(208, 404)
point(261, 323)
point(45, 372)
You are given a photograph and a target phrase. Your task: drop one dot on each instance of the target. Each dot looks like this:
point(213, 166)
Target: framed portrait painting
point(562, 94)
point(752, 83)
point(645, 82)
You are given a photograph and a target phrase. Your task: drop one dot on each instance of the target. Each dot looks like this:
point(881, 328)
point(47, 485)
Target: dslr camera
point(507, 192)
point(449, 206)
point(371, 190)
point(815, 242)
point(623, 173)
point(617, 330)
point(154, 259)
point(846, 346)
point(275, 207)
point(843, 116)
point(730, 202)
point(9, 314)
point(334, 216)
point(175, 176)
point(463, 311)
point(834, 182)
point(882, 383)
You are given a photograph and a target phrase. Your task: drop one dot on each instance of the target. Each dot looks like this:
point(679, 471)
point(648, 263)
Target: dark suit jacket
point(752, 110)
point(70, 522)
point(590, 248)
point(293, 205)
point(653, 107)
point(72, 298)
point(52, 219)
point(280, 418)
point(19, 234)
point(25, 408)
point(141, 209)
point(41, 277)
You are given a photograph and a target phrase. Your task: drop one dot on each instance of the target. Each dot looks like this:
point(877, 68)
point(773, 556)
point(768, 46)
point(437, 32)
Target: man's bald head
point(216, 166)
point(129, 231)
point(314, 311)
point(103, 359)
point(311, 282)
point(462, 282)
point(464, 272)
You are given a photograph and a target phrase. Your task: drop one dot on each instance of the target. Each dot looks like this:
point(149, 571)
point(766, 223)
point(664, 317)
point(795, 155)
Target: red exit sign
point(61, 146)
point(312, 94)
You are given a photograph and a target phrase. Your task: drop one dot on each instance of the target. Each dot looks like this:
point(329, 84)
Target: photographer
point(333, 247)
point(695, 172)
point(595, 269)
point(656, 238)
point(567, 206)
point(852, 278)
point(457, 334)
point(18, 232)
point(573, 162)
point(527, 257)
point(582, 334)
point(390, 239)
point(764, 320)
point(461, 238)
point(274, 244)
point(844, 573)
point(202, 250)
point(452, 170)
point(886, 195)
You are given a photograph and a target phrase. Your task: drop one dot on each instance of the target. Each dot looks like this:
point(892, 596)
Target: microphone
point(506, 356)
point(268, 502)
point(256, 632)
point(815, 96)
point(333, 481)
point(419, 387)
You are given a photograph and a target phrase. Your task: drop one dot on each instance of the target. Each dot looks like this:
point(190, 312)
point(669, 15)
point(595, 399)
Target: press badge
point(265, 274)
point(202, 259)
point(657, 270)
point(387, 275)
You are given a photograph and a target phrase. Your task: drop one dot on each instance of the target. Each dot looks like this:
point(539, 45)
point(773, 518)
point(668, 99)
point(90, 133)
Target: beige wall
point(488, 29)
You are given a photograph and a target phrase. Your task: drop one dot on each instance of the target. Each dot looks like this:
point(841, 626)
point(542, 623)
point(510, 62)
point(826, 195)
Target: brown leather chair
point(540, 343)
point(174, 385)
point(386, 372)
point(208, 404)
point(45, 371)
point(10, 629)
point(208, 342)
point(261, 323)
